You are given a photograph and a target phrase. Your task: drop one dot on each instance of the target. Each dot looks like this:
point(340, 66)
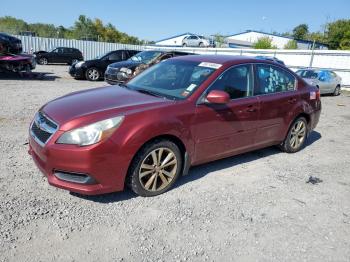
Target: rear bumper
point(100, 163)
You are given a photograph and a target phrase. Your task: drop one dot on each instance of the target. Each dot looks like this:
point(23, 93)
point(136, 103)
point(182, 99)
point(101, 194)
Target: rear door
point(223, 130)
point(276, 90)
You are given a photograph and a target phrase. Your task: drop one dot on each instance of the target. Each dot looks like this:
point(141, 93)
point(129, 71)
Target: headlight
point(91, 134)
point(126, 70)
point(79, 64)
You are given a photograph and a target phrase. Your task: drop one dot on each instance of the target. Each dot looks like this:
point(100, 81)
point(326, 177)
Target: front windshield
point(174, 79)
point(146, 57)
point(308, 74)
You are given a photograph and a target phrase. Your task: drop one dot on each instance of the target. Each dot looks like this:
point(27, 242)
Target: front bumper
point(76, 72)
point(101, 163)
point(114, 79)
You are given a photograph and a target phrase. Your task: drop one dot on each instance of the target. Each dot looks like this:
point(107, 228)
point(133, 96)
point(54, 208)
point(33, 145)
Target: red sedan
point(181, 112)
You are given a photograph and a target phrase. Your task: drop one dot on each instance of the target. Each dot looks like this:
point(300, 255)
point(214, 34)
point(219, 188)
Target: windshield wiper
point(148, 92)
point(123, 85)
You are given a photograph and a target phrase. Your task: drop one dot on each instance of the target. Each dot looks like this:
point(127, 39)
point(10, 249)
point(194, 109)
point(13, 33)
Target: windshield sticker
point(191, 87)
point(185, 93)
point(210, 65)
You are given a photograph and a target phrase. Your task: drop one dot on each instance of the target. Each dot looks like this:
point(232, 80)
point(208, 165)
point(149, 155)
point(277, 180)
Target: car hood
point(85, 107)
point(127, 64)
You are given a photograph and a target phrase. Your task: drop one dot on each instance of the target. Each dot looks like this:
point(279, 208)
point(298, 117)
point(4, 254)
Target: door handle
point(251, 109)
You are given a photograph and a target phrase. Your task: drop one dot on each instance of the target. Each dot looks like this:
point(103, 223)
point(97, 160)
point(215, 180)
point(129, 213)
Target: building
point(248, 38)
point(174, 40)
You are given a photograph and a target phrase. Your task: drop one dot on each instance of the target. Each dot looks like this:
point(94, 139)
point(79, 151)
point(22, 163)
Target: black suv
point(93, 70)
point(65, 55)
point(121, 72)
point(10, 44)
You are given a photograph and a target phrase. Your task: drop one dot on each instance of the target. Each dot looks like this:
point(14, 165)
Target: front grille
point(112, 70)
point(43, 128)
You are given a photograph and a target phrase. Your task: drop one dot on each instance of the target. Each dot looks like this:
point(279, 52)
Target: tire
point(146, 176)
point(184, 45)
point(43, 61)
point(296, 137)
point(201, 44)
point(92, 74)
point(336, 91)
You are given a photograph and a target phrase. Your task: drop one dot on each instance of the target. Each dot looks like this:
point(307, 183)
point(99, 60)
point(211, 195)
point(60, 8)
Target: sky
point(156, 19)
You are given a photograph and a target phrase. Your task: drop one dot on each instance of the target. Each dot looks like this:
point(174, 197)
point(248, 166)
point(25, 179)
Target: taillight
point(318, 94)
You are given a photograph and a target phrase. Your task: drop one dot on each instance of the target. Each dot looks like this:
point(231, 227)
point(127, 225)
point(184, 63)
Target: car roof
point(224, 59)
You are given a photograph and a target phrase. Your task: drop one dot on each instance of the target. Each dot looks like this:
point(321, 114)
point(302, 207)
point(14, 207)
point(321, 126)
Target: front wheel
point(43, 61)
point(336, 91)
point(201, 44)
point(92, 74)
point(155, 168)
point(296, 136)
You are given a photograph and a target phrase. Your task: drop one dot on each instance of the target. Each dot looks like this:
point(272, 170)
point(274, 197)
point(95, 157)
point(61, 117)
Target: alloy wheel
point(43, 61)
point(298, 134)
point(158, 169)
point(93, 74)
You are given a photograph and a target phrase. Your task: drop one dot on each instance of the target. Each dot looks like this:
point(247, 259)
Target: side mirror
point(218, 97)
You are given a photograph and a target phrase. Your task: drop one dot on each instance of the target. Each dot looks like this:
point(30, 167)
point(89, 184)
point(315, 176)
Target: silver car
point(327, 81)
point(195, 40)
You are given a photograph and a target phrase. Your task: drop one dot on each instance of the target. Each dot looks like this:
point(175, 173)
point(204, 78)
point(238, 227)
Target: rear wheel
point(296, 136)
point(43, 61)
point(92, 74)
point(201, 44)
point(336, 91)
point(155, 168)
point(73, 61)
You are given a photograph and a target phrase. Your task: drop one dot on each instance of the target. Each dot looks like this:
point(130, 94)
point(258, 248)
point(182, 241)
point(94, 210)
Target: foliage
point(264, 43)
point(83, 28)
point(338, 34)
point(301, 31)
point(219, 40)
point(292, 44)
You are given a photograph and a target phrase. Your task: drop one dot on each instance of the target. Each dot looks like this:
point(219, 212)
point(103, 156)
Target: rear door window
point(272, 79)
point(116, 56)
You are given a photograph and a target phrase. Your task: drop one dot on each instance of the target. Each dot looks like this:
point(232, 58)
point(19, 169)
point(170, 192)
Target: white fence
point(90, 49)
point(336, 60)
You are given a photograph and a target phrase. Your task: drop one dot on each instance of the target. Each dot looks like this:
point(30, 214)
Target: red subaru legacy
point(182, 112)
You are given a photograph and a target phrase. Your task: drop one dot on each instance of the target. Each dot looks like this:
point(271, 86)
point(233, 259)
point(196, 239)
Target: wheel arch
point(170, 137)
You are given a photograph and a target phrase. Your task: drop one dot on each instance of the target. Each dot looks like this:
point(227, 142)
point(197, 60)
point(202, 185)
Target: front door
point(223, 130)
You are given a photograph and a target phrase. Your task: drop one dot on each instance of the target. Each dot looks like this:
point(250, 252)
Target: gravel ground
point(253, 207)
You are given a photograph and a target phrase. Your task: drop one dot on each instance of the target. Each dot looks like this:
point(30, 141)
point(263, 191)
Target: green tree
point(291, 44)
point(264, 43)
point(219, 40)
point(300, 31)
point(12, 25)
point(338, 34)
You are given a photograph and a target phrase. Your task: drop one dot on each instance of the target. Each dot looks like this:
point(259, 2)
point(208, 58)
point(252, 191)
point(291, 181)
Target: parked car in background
point(327, 81)
point(10, 58)
point(121, 72)
point(17, 63)
point(178, 113)
point(94, 69)
point(197, 41)
point(10, 44)
point(271, 58)
point(63, 55)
